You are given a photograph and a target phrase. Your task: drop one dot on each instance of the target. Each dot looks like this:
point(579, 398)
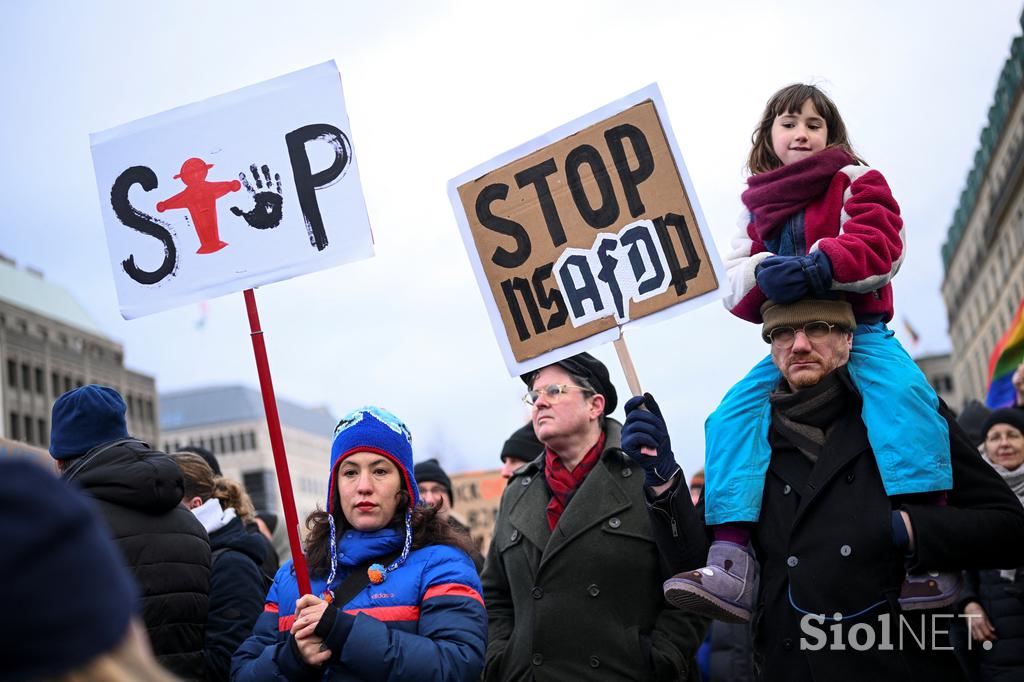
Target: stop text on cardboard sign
point(597, 291)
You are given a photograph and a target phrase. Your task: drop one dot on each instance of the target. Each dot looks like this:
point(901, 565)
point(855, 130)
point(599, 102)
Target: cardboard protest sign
point(247, 188)
point(584, 230)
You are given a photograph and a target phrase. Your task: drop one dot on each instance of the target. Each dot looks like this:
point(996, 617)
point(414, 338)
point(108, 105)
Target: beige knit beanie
point(799, 313)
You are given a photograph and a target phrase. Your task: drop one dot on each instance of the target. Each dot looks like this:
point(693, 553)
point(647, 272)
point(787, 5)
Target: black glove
point(646, 429)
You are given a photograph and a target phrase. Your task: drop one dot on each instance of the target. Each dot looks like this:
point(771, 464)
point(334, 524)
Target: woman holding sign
point(395, 594)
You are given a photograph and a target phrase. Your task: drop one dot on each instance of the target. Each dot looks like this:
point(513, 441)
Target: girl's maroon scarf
point(563, 483)
point(774, 196)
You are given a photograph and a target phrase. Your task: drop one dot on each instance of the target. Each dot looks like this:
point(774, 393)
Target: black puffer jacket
point(237, 592)
point(139, 492)
point(1003, 601)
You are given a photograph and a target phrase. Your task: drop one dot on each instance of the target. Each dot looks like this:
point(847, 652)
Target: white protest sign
point(251, 187)
point(588, 229)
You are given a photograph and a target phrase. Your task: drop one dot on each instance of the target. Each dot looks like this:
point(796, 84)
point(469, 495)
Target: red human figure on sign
point(200, 198)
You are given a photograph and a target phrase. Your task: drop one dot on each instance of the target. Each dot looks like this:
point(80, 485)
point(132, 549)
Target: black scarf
point(806, 417)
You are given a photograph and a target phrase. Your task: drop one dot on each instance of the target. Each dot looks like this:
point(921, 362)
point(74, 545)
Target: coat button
point(626, 473)
point(849, 478)
point(614, 522)
point(792, 562)
point(526, 481)
point(787, 644)
point(515, 535)
point(593, 590)
point(787, 489)
point(537, 593)
point(537, 659)
point(846, 550)
point(595, 661)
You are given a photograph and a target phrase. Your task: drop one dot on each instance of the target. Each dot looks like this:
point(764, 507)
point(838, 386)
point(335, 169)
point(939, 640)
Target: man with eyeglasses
point(833, 553)
point(572, 578)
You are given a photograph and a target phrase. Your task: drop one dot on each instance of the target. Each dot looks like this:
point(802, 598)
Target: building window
point(26, 377)
point(252, 440)
point(12, 374)
point(260, 486)
point(67, 383)
point(222, 445)
point(15, 426)
point(149, 411)
point(29, 437)
point(79, 383)
point(44, 438)
point(232, 446)
point(55, 380)
point(40, 381)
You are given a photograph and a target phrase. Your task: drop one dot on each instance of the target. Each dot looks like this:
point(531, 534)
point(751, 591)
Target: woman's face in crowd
point(1004, 445)
point(368, 487)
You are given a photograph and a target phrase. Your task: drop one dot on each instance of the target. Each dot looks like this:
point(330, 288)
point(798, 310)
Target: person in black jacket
point(138, 490)
point(237, 583)
point(436, 490)
point(994, 598)
point(833, 551)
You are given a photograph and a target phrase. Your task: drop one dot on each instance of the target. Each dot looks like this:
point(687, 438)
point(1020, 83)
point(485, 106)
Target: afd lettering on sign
point(247, 188)
point(571, 239)
point(623, 267)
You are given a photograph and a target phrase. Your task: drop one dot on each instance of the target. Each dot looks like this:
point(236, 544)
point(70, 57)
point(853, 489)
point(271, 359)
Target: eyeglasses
point(553, 392)
point(783, 337)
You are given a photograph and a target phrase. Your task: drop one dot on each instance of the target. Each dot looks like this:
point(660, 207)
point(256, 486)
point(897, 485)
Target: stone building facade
point(983, 283)
point(49, 345)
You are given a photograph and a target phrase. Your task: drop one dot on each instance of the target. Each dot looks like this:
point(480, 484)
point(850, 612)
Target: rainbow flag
point(1006, 357)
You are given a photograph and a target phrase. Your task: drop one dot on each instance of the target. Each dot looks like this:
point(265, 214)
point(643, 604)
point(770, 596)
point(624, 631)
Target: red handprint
point(200, 198)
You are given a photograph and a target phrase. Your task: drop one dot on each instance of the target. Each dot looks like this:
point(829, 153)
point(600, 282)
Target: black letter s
point(142, 222)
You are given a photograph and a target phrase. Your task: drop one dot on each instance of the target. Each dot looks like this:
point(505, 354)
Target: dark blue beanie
point(66, 592)
point(373, 429)
point(84, 418)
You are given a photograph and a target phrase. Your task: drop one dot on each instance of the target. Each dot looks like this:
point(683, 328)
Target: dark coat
point(139, 492)
point(237, 592)
point(731, 656)
point(824, 542)
point(1003, 601)
point(583, 602)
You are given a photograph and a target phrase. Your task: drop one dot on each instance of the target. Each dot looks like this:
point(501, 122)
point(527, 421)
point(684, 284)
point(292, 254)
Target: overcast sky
point(433, 89)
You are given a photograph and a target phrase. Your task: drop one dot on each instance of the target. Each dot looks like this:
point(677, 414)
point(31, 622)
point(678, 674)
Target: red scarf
point(563, 483)
point(774, 196)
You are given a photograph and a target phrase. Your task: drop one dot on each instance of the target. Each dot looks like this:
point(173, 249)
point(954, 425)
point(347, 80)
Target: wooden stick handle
point(627, 365)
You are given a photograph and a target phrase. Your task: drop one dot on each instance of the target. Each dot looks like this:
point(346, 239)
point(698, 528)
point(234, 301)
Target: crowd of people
point(844, 524)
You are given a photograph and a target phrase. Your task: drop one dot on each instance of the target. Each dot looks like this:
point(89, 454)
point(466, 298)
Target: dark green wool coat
point(583, 601)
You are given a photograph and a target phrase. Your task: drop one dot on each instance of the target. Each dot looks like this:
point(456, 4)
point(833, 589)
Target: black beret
point(593, 370)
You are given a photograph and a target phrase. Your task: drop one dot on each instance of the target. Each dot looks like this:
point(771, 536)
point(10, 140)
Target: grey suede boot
point(724, 589)
point(922, 591)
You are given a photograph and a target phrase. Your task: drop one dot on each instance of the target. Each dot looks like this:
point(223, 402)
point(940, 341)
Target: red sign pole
point(259, 349)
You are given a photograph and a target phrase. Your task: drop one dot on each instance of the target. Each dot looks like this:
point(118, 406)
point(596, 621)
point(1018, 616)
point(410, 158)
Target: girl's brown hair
point(201, 482)
point(427, 529)
point(789, 100)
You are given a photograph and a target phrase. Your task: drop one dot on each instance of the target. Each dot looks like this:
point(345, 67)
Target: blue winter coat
point(426, 621)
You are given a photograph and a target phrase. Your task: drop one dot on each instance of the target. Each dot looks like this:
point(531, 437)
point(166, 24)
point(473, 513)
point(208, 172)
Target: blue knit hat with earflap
point(373, 429)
